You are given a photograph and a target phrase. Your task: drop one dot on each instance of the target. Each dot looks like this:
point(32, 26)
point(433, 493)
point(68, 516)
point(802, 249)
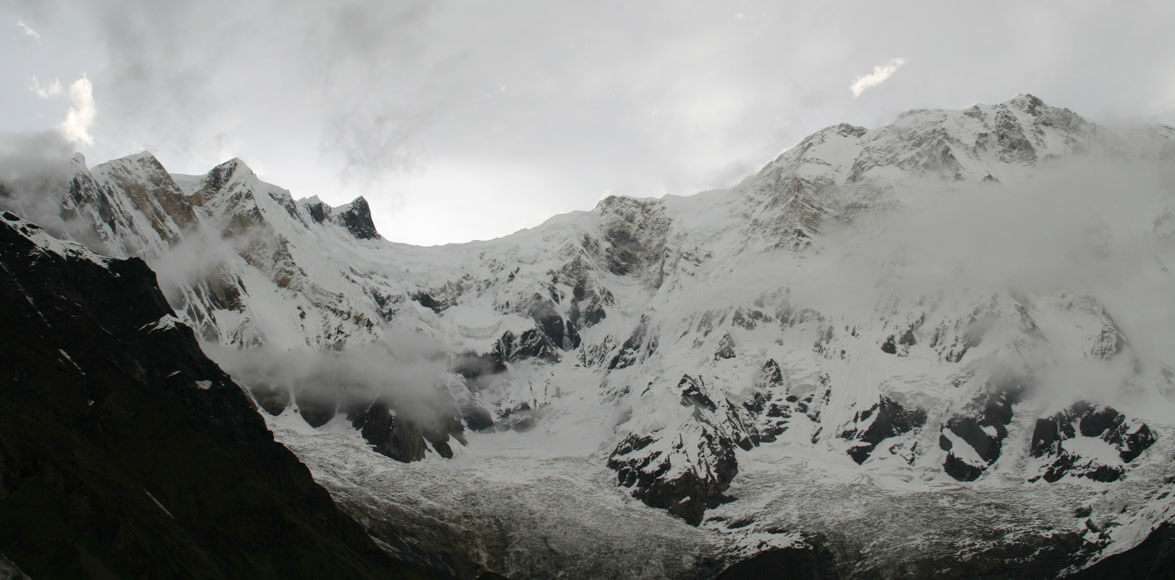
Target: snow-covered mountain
point(928, 348)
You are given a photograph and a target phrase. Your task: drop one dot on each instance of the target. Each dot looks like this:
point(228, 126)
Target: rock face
point(687, 473)
point(634, 231)
point(356, 217)
point(884, 420)
point(1126, 439)
point(639, 345)
point(685, 489)
point(124, 452)
point(974, 439)
point(402, 438)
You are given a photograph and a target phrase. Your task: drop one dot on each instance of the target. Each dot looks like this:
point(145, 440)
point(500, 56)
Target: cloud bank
point(80, 116)
point(406, 371)
point(35, 169)
point(50, 90)
point(28, 30)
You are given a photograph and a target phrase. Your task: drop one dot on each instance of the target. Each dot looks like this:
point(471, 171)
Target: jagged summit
point(1026, 101)
point(133, 160)
point(356, 217)
point(984, 143)
point(138, 157)
point(966, 145)
point(138, 165)
point(235, 179)
point(226, 172)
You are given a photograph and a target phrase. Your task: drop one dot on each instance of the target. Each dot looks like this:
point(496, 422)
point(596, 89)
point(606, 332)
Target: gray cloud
point(406, 371)
point(35, 169)
point(82, 110)
point(28, 30)
point(52, 89)
point(1096, 226)
point(532, 108)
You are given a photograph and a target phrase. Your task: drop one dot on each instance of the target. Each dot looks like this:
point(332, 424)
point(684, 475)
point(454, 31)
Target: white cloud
point(28, 30)
point(880, 74)
point(80, 116)
point(52, 89)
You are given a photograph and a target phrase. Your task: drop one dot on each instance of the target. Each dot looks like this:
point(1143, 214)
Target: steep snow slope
point(914, 317)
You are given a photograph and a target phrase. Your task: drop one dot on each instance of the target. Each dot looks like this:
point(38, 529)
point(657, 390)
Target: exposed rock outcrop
point(884, 420)
point(687, 472)
point(974, 438)
point(356, 218)
point(1097, 425)
point(401, 437)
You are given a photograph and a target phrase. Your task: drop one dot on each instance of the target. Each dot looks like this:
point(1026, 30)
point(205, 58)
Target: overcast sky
point(472, 119)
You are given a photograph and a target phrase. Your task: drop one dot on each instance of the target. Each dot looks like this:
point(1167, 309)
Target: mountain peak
point(1026, 102)
point(141, 156)
point(151, 190)
point(356, 217)
point(143, 159)
point(221, 175)
point(227, 171)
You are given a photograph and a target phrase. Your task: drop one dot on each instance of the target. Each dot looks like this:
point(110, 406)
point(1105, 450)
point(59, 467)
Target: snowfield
point(510, 504)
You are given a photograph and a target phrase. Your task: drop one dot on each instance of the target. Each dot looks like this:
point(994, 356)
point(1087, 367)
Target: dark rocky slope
point(126, 453)
point(1154, 559)
point(799, 563)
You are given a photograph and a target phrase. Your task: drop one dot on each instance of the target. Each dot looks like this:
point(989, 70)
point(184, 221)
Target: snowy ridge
point(44, 242)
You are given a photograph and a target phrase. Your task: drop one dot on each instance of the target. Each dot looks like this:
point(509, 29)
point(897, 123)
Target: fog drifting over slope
point(410, 373)
point(35, 169)
point(1096, 225)
point(1093, 226)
